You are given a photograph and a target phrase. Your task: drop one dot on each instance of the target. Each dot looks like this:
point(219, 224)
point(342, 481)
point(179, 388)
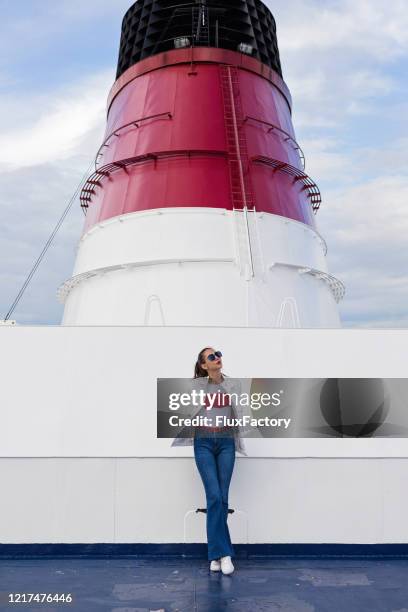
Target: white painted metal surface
point(114, 500)
point(86, 457)
point(157, 268)
point(91, 391)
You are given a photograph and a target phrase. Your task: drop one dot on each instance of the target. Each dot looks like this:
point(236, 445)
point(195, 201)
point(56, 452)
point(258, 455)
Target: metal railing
point(288, 138)
point(308, 184)
point(115, 132)
point(95, 180)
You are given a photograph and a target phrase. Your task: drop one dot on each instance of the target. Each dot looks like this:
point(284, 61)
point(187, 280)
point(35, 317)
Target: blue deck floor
point(172, 585)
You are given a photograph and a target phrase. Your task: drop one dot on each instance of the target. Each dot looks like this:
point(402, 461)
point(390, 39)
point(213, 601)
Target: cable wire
point(48, 243)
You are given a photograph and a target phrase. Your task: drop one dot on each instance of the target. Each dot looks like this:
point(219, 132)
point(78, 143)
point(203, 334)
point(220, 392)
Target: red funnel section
point(200, 127)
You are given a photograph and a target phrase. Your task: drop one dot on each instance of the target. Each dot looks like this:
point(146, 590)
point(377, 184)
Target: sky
point(345, 63)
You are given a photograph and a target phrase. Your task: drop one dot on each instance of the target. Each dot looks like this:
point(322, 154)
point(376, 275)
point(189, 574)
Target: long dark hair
point(199, 371)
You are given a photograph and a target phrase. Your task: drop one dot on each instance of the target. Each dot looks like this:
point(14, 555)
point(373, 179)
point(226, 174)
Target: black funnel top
point(154, 26)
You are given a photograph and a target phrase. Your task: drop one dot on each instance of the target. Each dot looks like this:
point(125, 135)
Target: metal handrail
point(105, 171)
point(115, 132)
point(65, 288)
point(273, 127)
point(335, 285)
point(308, 184)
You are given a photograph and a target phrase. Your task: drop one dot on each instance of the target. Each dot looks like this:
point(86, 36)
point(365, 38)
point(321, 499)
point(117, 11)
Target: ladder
point(238, 162)
point(200, 26)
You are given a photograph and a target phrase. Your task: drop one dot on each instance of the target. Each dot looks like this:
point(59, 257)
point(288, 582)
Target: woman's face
point(212, 367)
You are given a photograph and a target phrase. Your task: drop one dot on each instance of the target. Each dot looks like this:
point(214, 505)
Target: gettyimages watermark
point(213, 403)
point(283, 407)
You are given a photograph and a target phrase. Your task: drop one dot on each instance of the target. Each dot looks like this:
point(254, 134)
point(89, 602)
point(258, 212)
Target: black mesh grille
point(150, 27)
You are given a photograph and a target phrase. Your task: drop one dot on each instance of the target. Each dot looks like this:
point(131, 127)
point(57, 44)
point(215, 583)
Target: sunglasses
point(214, 356)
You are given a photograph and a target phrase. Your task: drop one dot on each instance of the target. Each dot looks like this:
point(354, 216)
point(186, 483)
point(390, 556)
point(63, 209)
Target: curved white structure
point(201, 266)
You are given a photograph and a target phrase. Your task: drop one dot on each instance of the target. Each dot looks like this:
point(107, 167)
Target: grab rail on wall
point(95, 180)
point(308, 184)
point(115, 132)
point(288, 138)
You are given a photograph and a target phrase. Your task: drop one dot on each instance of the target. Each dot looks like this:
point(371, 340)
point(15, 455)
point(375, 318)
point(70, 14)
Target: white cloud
point(366, 227)
point(43, 156)
point(56, 125)
point(336, 57)
point(391, 159)
point(326, 158)
point(377, 28)
point(376, 213)
point(79, 10)
point(322, 99)
point(41, 23)
point(32, 201)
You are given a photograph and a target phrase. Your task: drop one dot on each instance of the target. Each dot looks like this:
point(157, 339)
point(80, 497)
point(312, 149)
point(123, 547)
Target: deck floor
point(187, 585)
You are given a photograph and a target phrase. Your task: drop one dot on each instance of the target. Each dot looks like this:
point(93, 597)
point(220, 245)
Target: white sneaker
point(226, 565)
point(215, 565)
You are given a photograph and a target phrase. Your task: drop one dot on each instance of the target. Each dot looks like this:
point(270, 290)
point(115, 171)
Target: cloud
point(43, 157)
point(32, 201)
point(377, 216)
point(42, 25)
point(56, 125)
point(375, 28)
point(339, 58)
point(392, 159)
point(326, 100)
point(77, 10)
point(326, 159)
point(367, 226)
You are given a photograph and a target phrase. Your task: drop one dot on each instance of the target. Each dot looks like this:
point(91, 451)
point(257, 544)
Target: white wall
point(156, 267)
point(78, 466)
point(146, 500)
point(91, 391)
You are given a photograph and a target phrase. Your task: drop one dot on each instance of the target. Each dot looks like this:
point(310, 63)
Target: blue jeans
point(215, 458)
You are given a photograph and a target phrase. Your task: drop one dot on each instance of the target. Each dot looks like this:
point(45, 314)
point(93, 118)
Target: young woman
point(214, 453)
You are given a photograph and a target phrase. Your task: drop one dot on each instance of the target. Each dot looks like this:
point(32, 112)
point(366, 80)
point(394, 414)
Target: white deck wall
point(79, 461)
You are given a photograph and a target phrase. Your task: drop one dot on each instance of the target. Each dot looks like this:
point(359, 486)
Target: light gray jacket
point(228, 385)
